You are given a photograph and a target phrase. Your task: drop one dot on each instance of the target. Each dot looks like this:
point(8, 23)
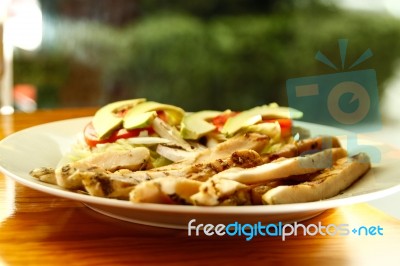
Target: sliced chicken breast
point(283, 167)
point(133, 159)
point(327, 184)
point(167, 190)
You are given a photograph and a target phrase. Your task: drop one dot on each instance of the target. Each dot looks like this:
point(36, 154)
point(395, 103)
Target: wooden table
point(40, 229)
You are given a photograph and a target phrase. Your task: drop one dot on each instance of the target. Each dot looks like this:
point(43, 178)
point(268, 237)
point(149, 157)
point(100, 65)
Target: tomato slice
point(162, 115)
point(92, 139)
point(220, 120)
point(284, 123)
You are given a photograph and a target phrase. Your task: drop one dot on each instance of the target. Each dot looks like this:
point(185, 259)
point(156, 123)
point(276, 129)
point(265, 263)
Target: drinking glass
point(6, 88)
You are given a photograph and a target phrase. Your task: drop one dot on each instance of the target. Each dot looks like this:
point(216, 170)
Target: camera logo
point(359, 93)
point(346, 99)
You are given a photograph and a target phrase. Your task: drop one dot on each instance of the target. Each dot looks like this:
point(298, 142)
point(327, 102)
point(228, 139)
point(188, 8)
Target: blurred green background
point(197, 54)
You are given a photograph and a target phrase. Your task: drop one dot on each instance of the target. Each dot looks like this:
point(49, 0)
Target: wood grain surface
point(40, 229)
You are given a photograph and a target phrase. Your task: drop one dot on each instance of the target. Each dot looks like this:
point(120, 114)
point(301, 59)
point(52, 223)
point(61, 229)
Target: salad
point(145, 151)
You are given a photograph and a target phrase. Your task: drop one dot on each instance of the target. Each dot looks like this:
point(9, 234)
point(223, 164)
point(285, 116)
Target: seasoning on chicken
point(44, 174)
point(328, 183)
point(107, 184)
point(284, 167)
point(304, 146)
point(218, 191)
point(70, 175)
point(168, 190)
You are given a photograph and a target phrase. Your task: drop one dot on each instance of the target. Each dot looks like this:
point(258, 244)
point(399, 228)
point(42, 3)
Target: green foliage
point(47, 73)
point(222, 62)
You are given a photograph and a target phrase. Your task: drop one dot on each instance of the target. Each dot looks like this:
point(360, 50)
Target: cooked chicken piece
point(240, 158)
point(44, 174)
point(245, 159)
point(257, 191)
point(106, 184)
point(304, 146)
point(223, 151)
point(203, 171)
point(110, 185)
point(222, 192)
point(70, 175)
point(324, 185)
point(232, 185)
point(119, 183)
point(248, 141)
point(133, 159)
point(233, 172)
point(168, 190)
point(283, 167)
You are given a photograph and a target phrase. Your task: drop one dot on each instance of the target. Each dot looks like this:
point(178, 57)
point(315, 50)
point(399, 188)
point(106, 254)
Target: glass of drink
point(6, 50)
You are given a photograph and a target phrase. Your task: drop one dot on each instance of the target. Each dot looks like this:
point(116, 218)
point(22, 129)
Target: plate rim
point(188, 209)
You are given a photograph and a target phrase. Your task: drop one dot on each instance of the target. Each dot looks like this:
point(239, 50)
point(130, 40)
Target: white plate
point(44, 145)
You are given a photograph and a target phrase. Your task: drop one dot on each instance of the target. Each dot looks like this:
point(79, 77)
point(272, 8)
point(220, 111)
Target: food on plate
point(324, 184)
point(150, 152)
point(258, 114)
point(197, 125)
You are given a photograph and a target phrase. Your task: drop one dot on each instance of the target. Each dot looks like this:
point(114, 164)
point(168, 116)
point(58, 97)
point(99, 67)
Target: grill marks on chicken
point(119, 183)
point(111, 185)
point(44, 174)
point(235, 172)
point(209, 193)
point(242, 159)
point(99, 177)
point(169, 190)
point(70, 175)
point(302, 147)
point(328, 183)
point(248, 141)
point(282, 168)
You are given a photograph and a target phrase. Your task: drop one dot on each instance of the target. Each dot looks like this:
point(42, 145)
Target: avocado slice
point(195, 125)
point(139, 120)
point(174, 114)
point(257, 114)
point(105, 120)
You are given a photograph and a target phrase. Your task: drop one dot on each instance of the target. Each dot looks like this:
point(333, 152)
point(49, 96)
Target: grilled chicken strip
point(240, 158)
point(248, 141)
point(44, 174)
point(327, 184)
point(234, 183)
point(70, 175)
point(180, 189)
point(222, 192)
point(168, 190)
point(110, 185)
point(302, 147)
point(258, 190)
point(119, 183)
point(283, 167)
point(241, 151)
point(133, 159)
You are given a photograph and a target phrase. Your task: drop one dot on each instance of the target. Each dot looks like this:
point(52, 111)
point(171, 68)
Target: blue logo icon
point(347, 100)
